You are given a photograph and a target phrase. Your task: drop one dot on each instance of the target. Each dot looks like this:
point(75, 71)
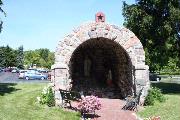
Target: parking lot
point(8, 77)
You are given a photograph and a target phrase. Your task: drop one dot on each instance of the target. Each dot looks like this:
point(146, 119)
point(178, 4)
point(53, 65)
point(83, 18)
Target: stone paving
point(112, 110)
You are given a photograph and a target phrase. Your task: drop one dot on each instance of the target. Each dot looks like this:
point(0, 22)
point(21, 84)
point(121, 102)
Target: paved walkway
point(112, 110)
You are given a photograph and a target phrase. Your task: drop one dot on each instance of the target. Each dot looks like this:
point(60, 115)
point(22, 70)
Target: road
point(8, 77)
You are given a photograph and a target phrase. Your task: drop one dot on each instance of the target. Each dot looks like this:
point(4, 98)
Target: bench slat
point(68, 96)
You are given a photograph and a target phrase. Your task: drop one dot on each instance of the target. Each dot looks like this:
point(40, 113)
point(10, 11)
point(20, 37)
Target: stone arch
point(126, 39)
point(105, 55)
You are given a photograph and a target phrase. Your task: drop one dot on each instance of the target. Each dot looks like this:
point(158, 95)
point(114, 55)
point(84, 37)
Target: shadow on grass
point(88, 116)
point(85, 116)
point(7, 88)
point(168, 88)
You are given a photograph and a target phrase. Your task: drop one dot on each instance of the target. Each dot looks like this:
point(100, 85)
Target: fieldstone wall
point(122, 36)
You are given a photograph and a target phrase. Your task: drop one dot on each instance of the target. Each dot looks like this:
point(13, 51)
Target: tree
point(2, 56)
point(31, 58)
point(20, 57)
point(1, 10)
point(155, 24)
point(51, 59)
point(41, 57)
point(9, 57)
point(44, 52)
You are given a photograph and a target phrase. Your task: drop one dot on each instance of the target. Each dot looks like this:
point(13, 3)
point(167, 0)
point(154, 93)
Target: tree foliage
point(157, 25)
point(7, 57)
point(40, 57)
point(19, 58)
point(2, 57)
point(2, 11)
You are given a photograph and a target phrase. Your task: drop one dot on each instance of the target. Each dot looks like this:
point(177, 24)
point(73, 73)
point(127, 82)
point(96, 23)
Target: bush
point(154, 94)
point(89, 104)
point(47, 97)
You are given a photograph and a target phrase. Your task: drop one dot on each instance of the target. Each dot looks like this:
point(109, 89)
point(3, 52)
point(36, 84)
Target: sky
point(42, 23)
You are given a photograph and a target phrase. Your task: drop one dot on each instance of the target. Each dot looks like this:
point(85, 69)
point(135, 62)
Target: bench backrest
point(138, 96)
point(65, 94)
point(70, 95)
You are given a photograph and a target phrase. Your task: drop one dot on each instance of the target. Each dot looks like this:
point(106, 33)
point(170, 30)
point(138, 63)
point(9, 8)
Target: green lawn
point(18, 102)
point(168, 110)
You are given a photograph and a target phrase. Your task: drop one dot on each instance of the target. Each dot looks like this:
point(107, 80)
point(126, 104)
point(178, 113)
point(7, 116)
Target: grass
point(168, 110)
point(18, 102)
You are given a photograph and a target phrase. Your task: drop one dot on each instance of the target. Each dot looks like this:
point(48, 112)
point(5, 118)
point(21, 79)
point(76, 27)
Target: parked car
point(33, 69)
point(21, 73)
point(43, 71)
point(15, 71)
point(7, 69)
point(154, 77)
point(34, 75)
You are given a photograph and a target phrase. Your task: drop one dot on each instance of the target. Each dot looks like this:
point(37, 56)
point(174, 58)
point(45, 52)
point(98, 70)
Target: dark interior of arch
point(102, 67)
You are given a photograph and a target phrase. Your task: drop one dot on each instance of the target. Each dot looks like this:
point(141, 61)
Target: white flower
point(38, 99)
point(45, 90)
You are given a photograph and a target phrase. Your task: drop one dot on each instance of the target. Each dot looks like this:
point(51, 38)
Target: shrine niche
point(99, 64)
point(102, 59)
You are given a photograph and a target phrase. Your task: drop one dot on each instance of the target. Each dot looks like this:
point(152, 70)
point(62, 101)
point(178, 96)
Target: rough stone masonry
point(133, 70)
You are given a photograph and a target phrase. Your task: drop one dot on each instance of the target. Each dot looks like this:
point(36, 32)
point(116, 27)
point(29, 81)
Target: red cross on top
point(100, 17)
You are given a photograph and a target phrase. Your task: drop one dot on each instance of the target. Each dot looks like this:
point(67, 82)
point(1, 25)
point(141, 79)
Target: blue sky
point(42, 23)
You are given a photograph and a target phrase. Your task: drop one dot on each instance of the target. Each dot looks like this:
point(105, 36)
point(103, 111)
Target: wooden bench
point(68, 96)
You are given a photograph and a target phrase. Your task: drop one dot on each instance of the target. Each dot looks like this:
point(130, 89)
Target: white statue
point(109, 75)
point(87, 67)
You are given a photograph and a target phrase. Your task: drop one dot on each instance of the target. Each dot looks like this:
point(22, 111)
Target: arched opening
point(101, 66)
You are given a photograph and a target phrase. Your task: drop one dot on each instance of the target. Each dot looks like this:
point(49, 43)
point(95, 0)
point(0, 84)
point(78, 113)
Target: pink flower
point(89, 104)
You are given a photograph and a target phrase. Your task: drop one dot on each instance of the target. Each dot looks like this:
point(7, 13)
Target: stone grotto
point(100, 59)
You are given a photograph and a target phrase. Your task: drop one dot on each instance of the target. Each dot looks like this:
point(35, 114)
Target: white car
point(14, 71)
point(21, 74)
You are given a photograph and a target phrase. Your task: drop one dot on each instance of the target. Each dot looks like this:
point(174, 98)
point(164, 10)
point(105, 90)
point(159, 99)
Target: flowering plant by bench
point(47, 96)
point(89, 104)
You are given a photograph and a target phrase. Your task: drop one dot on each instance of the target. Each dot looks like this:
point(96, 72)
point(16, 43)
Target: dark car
point(7, 69)
point(154, 77)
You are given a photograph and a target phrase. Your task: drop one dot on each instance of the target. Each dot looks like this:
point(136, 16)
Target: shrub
point(89, 104)
point(149, 100)
point(154, 94)
point(47, 97)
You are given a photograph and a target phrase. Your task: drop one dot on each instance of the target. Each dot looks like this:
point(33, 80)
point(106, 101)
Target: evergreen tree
point(9, 57)
point(20, 57)
point(2, 56)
